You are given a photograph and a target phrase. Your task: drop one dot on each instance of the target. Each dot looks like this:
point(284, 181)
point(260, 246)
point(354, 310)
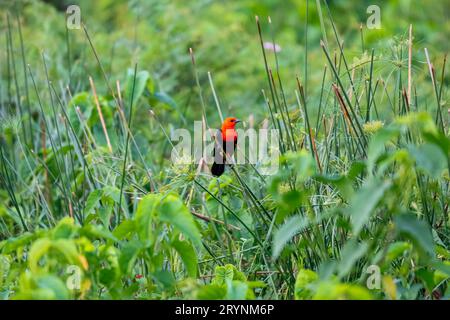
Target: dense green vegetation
point(92, 207)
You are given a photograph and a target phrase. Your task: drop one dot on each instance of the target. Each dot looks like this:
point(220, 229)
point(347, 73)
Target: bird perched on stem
point(225, 145)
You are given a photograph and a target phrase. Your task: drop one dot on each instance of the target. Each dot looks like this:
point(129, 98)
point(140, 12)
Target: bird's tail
point(217, 169)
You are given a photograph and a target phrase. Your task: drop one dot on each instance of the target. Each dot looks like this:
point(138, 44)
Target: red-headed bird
point(225, 145)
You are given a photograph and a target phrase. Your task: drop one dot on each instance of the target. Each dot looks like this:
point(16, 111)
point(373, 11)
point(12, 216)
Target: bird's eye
point(232, 120)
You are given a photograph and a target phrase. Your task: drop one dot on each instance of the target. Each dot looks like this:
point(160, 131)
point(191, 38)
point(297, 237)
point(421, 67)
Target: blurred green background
point(223, 34)
point(406, 196)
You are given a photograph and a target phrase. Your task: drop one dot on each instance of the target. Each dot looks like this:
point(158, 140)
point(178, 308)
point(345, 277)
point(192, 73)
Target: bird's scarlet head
point(229, 123)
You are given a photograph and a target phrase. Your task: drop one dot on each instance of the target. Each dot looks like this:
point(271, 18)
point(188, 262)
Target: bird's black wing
point(218, 166)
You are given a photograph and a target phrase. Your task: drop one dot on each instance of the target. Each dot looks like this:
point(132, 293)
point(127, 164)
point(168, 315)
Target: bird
point(226, 141)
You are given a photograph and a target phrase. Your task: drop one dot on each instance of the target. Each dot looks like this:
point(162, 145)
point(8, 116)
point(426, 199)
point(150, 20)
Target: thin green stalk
point(14, 74)
point(130, 115)
point(27, 93)
point(369, 90)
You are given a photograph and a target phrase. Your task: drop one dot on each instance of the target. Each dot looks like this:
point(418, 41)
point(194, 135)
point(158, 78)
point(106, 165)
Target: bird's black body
point(228, 147)
point(217, 169)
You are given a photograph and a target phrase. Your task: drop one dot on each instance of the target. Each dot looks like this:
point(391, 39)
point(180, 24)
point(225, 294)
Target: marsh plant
point(93, 204)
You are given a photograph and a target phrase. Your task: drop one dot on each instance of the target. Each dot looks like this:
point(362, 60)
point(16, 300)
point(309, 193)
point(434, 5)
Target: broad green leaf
point(64, 229)
point(42, 246)
point(301, 162)
point(223, 274)
point(174, 212)
point(113, 193)
point(429, 158)
point(418, 231)
point(92, 201)
point(141, 83)
point(84, 102)
point(93, 231)
point(124, 229)
point(442, 267)
point(440, 140)
point(365, 201)
point(303, 283)
point(291, 200)
point(256, 284)
point(350, 254)
point(330, 290)
point(236, 290)
point(145, 214)
point(107, 276)
point(55, 285)
point(165, 278)
point(165, 99)
point(377, 145)
point(68, 249)
point(395, 250)
point(237, 275)
point(427, 277)
point(5, 265)
point(128, 256)
point(289, 229)
point(211, 292)
point(188, 255)
point(39, 248)
point(13, 244)
point(443, 252)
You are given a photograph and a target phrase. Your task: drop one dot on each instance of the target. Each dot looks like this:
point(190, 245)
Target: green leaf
point(165, 278)
point(141, 83)
point(43, 246)
point(97, 232)
point(68, 249)
point(427, 277)
point(365, 201)
point(301, 162)
point(39, 248)
point(165, 99)
point(173, 211)
point(440, 140)
point(55, 285)
point(64, 229)
point(350, 254)
point(442, 267)
point(377, 145)
point(289, 229)
point(237, 275)
point(303, 283)
point(128, 256)
point(112, 193)
point(107, 276)
point(395, 250)
point(430, 159)
point(92, 201)
point(85, 104)
point(291, 200)
point(124, 229)
point(236, 290)
point(211, 292)
point(223, 274)
point(329, 290)
point(13, 244)
point(188, 255)
point(145, 214)
point(418, 231)
point(5, 265)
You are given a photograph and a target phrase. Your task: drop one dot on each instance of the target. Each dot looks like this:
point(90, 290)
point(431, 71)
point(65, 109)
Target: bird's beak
point(237, 121)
